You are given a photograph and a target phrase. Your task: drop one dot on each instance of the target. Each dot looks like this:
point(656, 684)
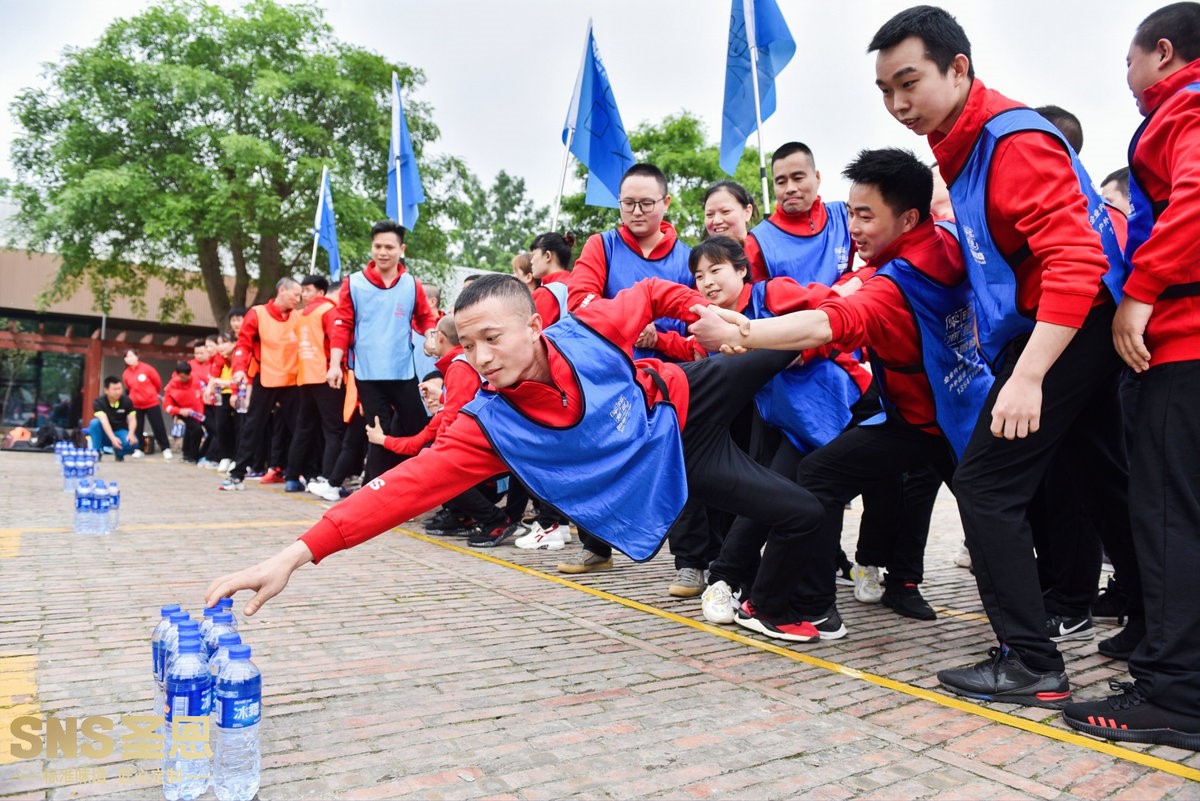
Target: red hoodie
point(423, 317)
point(1166, 165)
point(806, 223)
point(591, 268)
point(1033, 200)
point(461, 456)
point(460, 383)
point(181, 395)
point(143, 384)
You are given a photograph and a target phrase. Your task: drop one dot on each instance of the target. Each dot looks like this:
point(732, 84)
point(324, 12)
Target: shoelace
point(1129, 696)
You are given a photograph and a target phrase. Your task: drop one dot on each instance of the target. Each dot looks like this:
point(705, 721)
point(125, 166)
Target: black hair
point(236, 311)
point(109, 380)
point(210, 339)
point(1066, 122)
point(319, 281)
point(388, 227)
point(183, 367)
point(199, 342)
point(738, 192)
point(1178, 23)
point(791, 148)
point(432, 374)
point(648, 170)
point(494, 285)
point(1121, 176)
point(561, 245)
point(940, 32)
point(720, 250)
point(901, 178)
point(226, 336)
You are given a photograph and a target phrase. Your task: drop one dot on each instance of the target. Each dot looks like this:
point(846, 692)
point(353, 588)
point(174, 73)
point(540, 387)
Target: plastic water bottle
point(226, 605)
point(100, 505)
point(166, 649)
point(83, 507)
point(207, 623)
point(238, 710)
point(177, 429)
point(186, 766)
point(243, 398)
point(156, 649)
point(222, 624)
point(114, 506)
point(90, 457)
point(70, 472)
point(59, 447)
point(216, 662)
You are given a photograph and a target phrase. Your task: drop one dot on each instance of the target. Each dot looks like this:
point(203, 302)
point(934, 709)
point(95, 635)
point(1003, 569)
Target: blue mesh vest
point(559, 290)
point(950, 358)
point(810, 403)
point(382, 349)
point(816, 259)
point(992, 277)
point(619, 472)
point(626, 268)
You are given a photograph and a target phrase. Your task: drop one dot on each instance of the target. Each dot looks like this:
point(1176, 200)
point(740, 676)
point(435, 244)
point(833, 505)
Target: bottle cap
point(189, 645)
point(223, 617)
point(169, 610)
point(189, 626)
point(225, 603)
point(209, 611)
point(179, 617)
point(239, 651)
point(226, 640)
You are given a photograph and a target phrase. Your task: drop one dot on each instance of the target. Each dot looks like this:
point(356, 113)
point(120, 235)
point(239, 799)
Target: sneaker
point(1111, 603)
point(120, 457)
point(225, 466)
point(829, 625)
point(232, 485)
point(794, 631)
point(906, 600)
point(106, 449)
point(1129, 717)
point(1003, 677)
point(718, 603)
point(167, 455)
point(207, 465)
point(963, 557)
point(325, 492)
point(254, 475)
point(554, 538)
point(444, 522)
point(137, 454)
point(272, 476)
point(688, 583)
point(497, 535)
point(316, 482)
point(1121, 644)
point(586, 562)
point(866, 584)
point(842, 577)
point(293, 486)
point(344, 492)
point(1061, 628)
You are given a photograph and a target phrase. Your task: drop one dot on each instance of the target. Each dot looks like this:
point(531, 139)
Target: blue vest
point(1143, 211)
point(619, 472)
point(816, 259)
point(559, 290)
point(950, 357)
point(422, 365)
point(992, 277)
point(810, 403)
point(626, 268)
point(383, 345)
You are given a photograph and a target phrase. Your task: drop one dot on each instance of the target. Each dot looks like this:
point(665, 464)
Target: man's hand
point(116, 443)
point(267, 578)
point(131, 438)
point(430, 346)
point(1129, 330)
point(1017, 412)
point(333, 376)
point(720, 329)
point(648, 338)
point(238, 378)
point(375, 432)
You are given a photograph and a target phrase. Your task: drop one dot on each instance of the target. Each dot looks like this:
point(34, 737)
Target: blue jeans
point(99, 441)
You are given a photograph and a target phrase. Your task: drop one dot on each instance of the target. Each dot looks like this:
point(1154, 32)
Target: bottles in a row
point(97, 507)
point(76, 463)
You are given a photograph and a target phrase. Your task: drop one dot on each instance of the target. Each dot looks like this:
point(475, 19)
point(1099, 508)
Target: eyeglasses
point(629, 204)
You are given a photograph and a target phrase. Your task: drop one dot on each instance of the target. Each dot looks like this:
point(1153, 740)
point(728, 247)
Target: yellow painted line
point(961, 615)
point(10, 542)
point(18, 697)
point(1003, 718)
point(174, 527)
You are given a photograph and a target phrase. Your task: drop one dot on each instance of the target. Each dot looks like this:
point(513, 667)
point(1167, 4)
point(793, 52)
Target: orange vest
point(310, 331)
point(279, 348)
point(350, 403)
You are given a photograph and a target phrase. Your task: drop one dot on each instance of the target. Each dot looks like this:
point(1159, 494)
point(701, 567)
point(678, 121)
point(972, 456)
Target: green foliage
point(497, 224)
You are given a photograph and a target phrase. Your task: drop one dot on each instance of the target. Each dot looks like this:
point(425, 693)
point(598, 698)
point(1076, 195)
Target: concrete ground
point(411, 667)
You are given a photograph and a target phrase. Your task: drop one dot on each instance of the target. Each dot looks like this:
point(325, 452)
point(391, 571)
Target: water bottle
point(70, 473)
point(100, 505)
point(114, 506)
point(222, 623)
point(88, 463)
point(216, 662)
point(207, 622)
point(167, 650)
point(177, 429)
point(156, 649)
point(226, 605)
point(187, 767)
point(83, 507)
point(238, 710)
point(59, 447)
point(243, 398)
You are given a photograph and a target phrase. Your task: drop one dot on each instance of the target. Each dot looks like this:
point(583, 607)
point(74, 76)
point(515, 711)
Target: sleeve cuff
point(323, 539)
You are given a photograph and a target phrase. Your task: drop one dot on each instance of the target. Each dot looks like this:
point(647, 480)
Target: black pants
point(207, 448)
point(477, 507)
point(225, 440)
point(354, 451)
point(997, 480)
point(398, 406)
point(895, 524)
point(193, 433)
point(254, 426)
point(318, 417)
point(1165, 511)
point(154, 415)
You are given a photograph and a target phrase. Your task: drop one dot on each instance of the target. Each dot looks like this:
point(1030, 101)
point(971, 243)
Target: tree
point(679, 148)
point(188, 144)
point(505, 222)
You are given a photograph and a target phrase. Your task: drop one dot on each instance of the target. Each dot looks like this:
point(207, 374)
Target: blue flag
point(769, 32)
point(325, 227)
point(404, 191)
point(599, 141)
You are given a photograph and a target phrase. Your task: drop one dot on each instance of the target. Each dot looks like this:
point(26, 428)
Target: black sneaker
point(1121, 644)
point(906, 600)
point(1130, 718)
point(1111, 603)
point(495, 535)
point(1061, 628)
point(829, 624)
point(1003, 677)
point(446, 525)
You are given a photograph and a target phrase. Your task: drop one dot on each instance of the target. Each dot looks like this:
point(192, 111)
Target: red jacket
point(878, 316)
point(591, 268)
point(461, 457)
point(806, 223)
point(544, 300)
point(1166, 165)
point(423, 317)
point(1033, 199)
point(460, 383)
point(248, 345)
point(181, 395)
point(143, 384)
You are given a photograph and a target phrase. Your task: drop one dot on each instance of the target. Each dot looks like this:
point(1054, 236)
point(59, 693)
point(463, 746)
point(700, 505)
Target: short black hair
point(236, 311)
point(943, 37)
point(494, 285)
point(1121, 176)
point(109, 380)
point(1066, 122)
point(389, 227)
point(791, 148)
point(1178, 23)
point(183, 367)
point(720, 250)
point(319, 281)
point(648, 170)
point(904, 181)
point(432, 374)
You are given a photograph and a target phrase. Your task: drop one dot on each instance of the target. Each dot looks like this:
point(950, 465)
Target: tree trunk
point(270, 266)
point(214, 282)
point(241, 278)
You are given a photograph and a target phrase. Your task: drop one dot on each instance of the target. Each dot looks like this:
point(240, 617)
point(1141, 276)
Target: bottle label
point(158, 656)
point(239, 704)
point(188, 697)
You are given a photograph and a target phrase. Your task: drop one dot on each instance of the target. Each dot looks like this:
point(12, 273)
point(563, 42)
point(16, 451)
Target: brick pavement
point(408, 668)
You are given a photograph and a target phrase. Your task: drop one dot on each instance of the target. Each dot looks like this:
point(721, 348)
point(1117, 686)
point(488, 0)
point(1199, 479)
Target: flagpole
point(396, 112)
point(312, 266)
point(562, 180)
point(748, 12)
point(572, 116)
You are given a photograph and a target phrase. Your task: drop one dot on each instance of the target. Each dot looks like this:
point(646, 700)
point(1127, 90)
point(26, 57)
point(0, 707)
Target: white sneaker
point(138, 454)
point(325, 491)
point(317, 483)
point(963, 557)
point(866, 584)
point(554, 538)
point(225, 466)
point(717, 603)
point(167, 455)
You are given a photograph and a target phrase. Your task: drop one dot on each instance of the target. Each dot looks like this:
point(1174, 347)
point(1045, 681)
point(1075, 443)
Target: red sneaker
point(792, 631)
point(272, 476)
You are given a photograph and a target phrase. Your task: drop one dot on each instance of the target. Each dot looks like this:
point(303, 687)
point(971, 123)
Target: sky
point(499, 75)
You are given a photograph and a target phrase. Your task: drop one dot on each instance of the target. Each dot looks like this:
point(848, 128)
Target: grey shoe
point(689, 582)
point(586, 562)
